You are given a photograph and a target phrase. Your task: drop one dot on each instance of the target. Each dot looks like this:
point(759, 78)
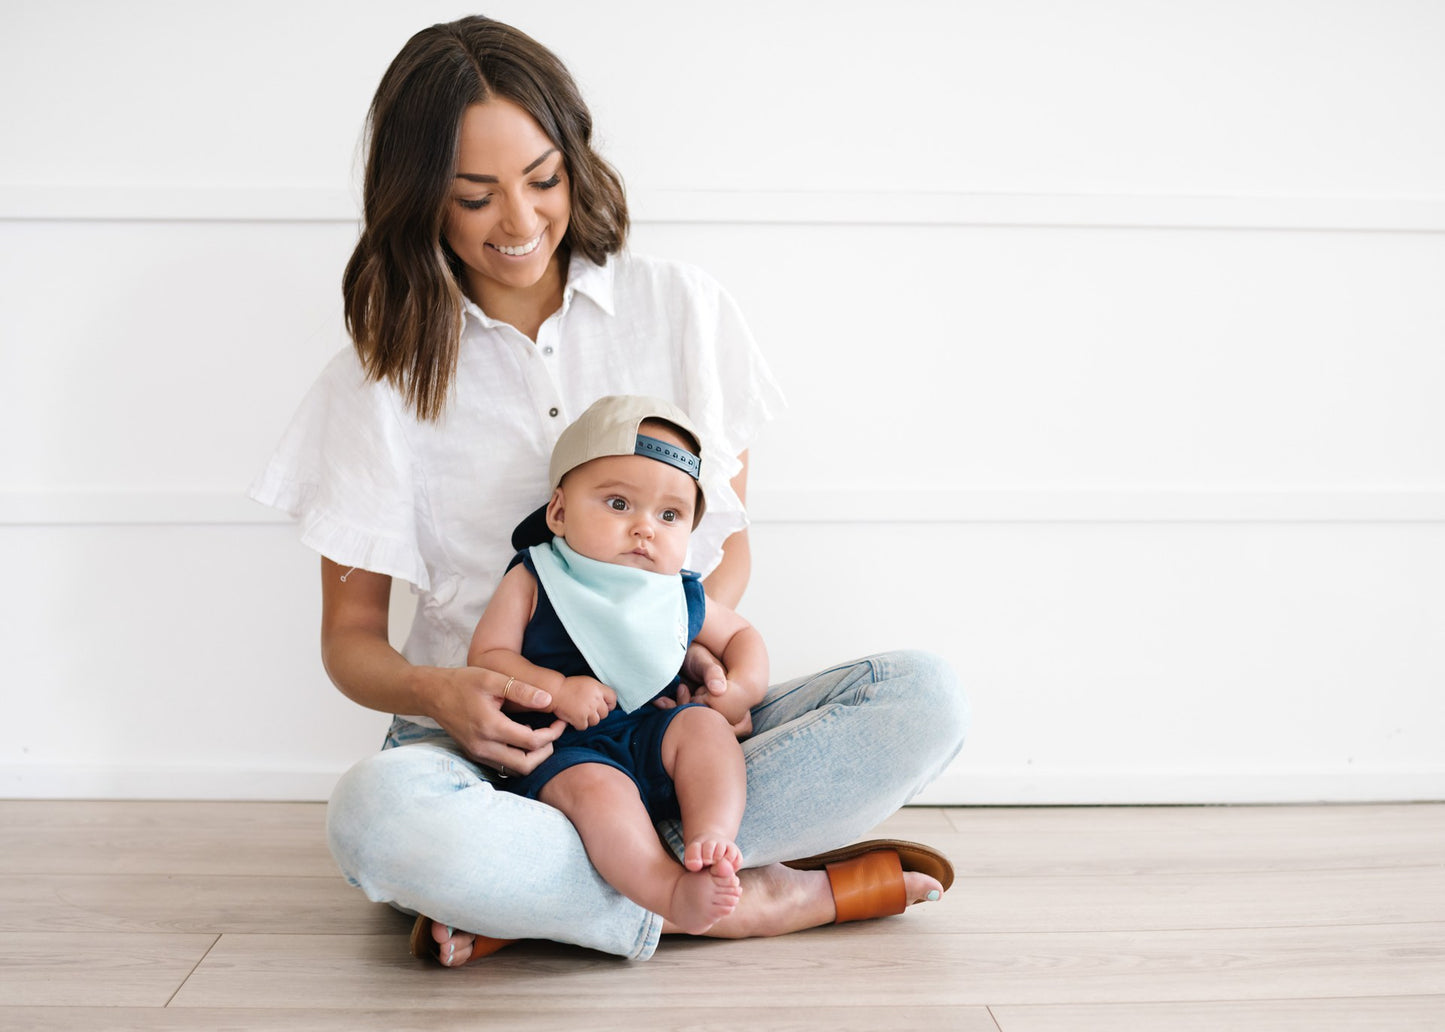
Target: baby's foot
point(706, 850)
point(700, 899)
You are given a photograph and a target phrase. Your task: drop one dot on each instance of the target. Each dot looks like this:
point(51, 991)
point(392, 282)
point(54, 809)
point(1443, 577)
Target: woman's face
point(509, 204)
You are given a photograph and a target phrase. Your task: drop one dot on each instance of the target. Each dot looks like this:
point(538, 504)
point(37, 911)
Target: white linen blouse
point(434, 503)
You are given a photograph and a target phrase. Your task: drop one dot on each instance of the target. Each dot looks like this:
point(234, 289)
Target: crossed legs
point(833, 754)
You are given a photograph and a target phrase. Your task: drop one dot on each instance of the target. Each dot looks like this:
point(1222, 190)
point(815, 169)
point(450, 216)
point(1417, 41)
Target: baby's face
point(626, 509)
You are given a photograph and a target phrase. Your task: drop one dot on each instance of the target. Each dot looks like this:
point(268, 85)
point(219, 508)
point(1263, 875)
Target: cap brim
point(532, 531)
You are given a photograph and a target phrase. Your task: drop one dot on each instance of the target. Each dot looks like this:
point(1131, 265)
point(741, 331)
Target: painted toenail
point(451, 931)
point(934, 896)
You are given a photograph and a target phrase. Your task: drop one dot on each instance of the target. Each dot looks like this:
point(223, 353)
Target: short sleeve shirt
point(434, 503)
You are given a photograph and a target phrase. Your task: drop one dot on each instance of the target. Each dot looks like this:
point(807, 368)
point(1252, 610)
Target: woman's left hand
point(705, 680)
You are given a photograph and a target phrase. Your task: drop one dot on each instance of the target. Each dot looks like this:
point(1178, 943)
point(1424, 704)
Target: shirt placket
point(543, 370)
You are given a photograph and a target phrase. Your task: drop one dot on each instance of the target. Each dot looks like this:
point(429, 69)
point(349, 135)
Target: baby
point(597, 610)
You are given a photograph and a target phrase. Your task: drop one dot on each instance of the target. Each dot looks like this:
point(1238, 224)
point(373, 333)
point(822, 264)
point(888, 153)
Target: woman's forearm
point(729, 578)
point(355, 648)
point(368, 671)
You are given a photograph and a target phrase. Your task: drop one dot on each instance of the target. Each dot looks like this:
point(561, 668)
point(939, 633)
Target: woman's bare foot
point(777, 900)
point(456, 947)
point(702, 898)
point(774, 900)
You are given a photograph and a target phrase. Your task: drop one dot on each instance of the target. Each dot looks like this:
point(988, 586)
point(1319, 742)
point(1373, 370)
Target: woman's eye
point(480, 202)
point(547, 184)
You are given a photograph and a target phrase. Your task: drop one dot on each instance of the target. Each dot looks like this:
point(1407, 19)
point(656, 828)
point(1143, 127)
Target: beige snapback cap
point(609, 427)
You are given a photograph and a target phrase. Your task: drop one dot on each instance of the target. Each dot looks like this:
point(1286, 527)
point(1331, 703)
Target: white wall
point(1113, 335)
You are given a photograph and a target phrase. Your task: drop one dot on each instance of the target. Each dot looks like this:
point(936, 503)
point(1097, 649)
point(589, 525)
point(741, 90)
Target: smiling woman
point(490, 301)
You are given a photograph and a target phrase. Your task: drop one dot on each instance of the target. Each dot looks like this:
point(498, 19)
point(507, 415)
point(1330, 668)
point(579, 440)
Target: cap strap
point(671, 454)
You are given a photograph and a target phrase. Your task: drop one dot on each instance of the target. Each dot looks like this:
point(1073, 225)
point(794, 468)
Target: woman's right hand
point(467, 703)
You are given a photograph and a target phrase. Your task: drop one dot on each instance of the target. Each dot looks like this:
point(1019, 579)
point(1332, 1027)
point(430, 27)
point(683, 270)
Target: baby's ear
point(557, 514)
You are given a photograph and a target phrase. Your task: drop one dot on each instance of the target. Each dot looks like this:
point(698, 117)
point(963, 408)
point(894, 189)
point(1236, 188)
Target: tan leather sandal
point(867, 877)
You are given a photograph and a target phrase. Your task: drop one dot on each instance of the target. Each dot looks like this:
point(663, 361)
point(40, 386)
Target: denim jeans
point(419, 826)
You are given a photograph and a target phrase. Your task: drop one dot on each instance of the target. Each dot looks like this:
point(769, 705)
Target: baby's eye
point(669, 515)
point(617, 504)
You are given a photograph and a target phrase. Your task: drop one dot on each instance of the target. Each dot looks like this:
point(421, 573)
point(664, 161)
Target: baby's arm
point(744, 656)
point(497, 645)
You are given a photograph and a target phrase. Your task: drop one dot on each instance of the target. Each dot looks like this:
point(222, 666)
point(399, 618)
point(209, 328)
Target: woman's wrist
point(422, 686)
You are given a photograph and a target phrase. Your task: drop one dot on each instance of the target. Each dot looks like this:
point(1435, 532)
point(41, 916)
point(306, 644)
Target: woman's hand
point(467, 703)
point(705, 681)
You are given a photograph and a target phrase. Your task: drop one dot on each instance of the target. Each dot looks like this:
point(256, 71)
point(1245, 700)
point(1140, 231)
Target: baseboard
point(967, 786)
point(961, 786)
point(62, 781)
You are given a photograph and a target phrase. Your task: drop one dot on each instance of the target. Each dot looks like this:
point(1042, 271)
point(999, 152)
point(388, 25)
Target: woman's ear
point(557, 514)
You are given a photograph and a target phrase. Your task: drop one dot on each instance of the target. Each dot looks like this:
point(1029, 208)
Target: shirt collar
point(583, 277)
point(594, 281)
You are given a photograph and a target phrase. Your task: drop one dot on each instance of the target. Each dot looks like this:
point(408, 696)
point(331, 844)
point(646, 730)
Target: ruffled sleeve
point(731, 395)
point(345, 471)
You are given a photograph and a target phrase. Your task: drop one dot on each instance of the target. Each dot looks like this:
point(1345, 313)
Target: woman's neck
point(526, 308)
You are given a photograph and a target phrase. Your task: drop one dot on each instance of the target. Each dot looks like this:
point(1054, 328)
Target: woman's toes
point(920, 888)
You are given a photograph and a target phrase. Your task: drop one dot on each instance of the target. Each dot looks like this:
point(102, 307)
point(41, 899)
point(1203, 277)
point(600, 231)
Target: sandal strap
point(914, 856)
point(870, 885)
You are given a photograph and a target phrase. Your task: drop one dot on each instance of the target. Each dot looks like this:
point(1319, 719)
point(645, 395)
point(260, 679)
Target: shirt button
point(547, 350)
point(552, 412)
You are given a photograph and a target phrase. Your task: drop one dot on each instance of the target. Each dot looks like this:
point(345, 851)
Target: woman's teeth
point(515, 252)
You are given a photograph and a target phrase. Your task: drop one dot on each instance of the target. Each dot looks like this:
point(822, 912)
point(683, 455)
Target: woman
point(490, 301)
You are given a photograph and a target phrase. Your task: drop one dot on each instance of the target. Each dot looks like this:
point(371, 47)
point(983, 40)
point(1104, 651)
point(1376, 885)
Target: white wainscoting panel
point(1112, 335)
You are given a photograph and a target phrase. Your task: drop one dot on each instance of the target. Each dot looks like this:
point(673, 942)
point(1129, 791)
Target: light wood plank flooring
point(230, 916)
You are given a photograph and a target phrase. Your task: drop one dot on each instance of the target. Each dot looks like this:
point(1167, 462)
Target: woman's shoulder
point(344, 384)
point(670, 276)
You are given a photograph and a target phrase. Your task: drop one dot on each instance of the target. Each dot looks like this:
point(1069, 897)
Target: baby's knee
point(702, 720)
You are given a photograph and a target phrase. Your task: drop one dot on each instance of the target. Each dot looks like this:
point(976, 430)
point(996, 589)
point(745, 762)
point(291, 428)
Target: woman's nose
point(518, 218)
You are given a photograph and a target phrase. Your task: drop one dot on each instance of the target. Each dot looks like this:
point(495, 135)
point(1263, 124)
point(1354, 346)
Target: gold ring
point(507, 687)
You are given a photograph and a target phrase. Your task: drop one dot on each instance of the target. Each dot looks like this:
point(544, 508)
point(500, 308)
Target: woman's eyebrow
point(472, 177)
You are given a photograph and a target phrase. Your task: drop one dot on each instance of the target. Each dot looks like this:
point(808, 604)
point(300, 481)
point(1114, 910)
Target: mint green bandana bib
point(629, 624)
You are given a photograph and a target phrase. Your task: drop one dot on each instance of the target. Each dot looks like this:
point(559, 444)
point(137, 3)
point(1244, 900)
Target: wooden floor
point(230, 916)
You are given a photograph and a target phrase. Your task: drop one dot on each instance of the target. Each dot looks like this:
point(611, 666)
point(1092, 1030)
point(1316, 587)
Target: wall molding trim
point(27, 202)
point(847, 505)
point(961, 785)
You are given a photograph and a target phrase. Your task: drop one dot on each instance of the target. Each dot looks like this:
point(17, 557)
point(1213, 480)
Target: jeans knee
point(364, 798)
point(934, 694)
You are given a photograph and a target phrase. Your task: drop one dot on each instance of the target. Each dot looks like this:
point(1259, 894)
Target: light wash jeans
point(419, 826)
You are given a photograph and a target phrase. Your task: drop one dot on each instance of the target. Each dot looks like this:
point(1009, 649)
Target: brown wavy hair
point(402, 287)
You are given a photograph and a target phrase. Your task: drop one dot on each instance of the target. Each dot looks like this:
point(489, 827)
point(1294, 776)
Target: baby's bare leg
point(702, 756)
point(603, 805)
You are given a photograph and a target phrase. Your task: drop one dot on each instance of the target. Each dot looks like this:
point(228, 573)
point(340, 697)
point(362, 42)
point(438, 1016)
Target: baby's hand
point(583, 701)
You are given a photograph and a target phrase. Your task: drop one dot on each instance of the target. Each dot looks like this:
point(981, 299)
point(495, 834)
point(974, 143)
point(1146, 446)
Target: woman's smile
point(522, 250)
